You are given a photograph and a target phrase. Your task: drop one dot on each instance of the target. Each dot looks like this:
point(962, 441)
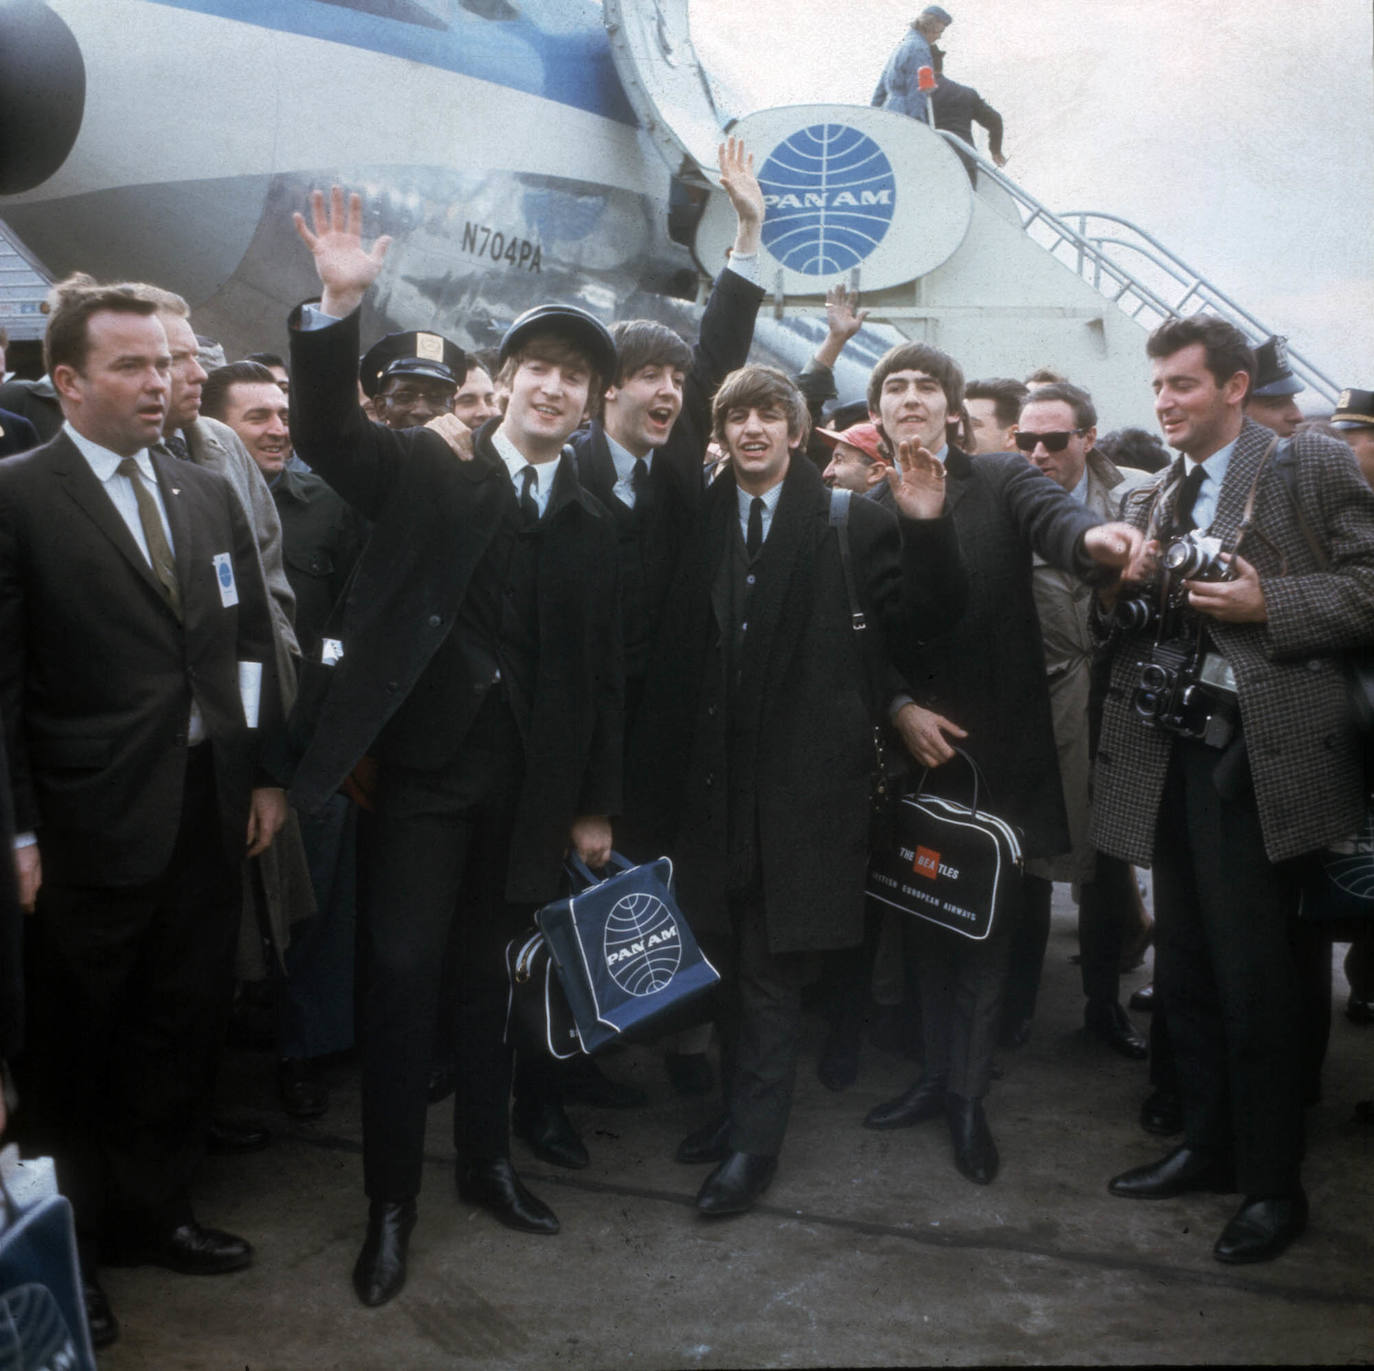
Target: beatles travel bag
point(622, 954)
point(948, 863)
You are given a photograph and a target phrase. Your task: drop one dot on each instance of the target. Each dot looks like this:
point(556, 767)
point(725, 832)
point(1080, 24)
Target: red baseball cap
point(865, 437)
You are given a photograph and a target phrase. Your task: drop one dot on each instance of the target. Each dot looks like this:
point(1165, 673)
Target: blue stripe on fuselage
point(570, 68)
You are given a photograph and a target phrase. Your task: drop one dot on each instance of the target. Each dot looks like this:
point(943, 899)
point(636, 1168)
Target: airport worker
point(752, 757)
point(1228, 754)
point(981, 685)
point(138, 691)
point(899, 86)
point(411, 377)
point(481, 666)
point(1271, 401)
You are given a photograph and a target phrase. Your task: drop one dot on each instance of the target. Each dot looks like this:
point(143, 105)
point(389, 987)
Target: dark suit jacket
point(987, 674)
point(795, 752)
point(97, 675)
point(1303, 755)
point(433, 517)
point(16, 434)
point(650, 546)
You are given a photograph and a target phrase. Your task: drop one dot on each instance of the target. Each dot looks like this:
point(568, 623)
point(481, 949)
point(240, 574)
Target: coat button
point(710, 779)
point(749, 579)
point(435, 621)
point(1315, 664)
point(710, 711)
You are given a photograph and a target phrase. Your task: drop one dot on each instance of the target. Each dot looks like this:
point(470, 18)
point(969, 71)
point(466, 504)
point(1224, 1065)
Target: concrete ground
point(870, 1250)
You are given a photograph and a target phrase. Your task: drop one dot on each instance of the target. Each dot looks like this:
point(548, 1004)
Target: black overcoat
point(796, 752)
point(433, 517)
point(987, 672)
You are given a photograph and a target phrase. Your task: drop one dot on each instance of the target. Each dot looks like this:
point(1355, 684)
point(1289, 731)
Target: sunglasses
point(1054, 442)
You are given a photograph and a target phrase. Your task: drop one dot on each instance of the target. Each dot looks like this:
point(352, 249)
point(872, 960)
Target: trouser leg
point(1105, 910)
point(1027, 954)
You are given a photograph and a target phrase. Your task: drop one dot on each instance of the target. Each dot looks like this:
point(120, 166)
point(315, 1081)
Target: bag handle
point(580, 871)
point(979, 781)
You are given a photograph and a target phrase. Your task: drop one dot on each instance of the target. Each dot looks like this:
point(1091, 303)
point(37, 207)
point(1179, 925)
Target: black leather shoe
point(689, 1073)
point(1143, 1000)
point(1177, 1173)
point(925, 1100)
point(975, 1153)
point(1109, 1024)
point(1261, 1229)
point(1161, 1112)
point(303, 1094)
point(709, 1143)
point(736, 1184)
point(550, 1134)
point(584, 1081)
point(496, 1188)
point(443, 1079)
point(230, 1137)
point(100, 1319)
point(196, 1251)
point(380, 1270)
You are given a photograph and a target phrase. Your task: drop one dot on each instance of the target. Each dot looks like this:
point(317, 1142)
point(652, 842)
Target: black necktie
point(1187, 496)
point(176, 445)
point(639, 482)
point(529, 510)
point(754, 540)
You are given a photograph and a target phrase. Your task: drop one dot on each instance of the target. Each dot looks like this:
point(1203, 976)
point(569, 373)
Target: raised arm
point(346, 269)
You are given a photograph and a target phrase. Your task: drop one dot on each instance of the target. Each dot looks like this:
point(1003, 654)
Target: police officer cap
point(1273, 375)
point(941, 16)
point(415, 353)
point(584, 330)
point(1354, 409)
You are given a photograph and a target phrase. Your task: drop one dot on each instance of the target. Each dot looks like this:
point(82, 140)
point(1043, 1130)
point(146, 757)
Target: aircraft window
point(424, 13)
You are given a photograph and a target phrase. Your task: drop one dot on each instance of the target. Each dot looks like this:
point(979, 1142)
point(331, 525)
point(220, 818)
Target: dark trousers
point(438, 850)
point(129, 996)
point(961, 984)
point(1229, 975)
point(1027, 957)
point(1106, 910)
point(315, 997)
point(759, 1011)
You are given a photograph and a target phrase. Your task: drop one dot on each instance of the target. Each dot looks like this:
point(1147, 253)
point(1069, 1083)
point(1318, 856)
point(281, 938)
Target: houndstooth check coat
point(1302, 748)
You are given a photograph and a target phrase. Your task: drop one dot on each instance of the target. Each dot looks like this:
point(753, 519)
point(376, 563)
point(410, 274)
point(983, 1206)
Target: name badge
point(224, 578)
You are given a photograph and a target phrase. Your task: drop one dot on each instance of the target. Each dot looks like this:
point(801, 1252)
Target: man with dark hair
point(275, 365)
point(321, 540)
point(1056, 432)
point(136, 681)
point(993, 407)
point(1243, 760)
point(482, 669)
point(1005, 512)
point(411, 377)
point(1135, 447)
point(474, 402)
point(753, 751)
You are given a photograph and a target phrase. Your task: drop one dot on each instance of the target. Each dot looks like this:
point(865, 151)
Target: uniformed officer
point(411, 377)
point(1271, 403)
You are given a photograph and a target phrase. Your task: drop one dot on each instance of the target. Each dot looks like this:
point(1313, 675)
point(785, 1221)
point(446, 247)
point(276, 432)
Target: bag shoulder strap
point(839, 521)
point(1286, 465)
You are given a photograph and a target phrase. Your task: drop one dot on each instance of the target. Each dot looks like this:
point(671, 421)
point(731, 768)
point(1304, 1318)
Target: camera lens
point(1182, 558)
point(1146, 703)
point(1153, 678)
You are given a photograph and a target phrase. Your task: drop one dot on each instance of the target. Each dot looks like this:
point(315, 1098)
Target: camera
point(1196, 557)
point(1187, 691)
point(1135, 615)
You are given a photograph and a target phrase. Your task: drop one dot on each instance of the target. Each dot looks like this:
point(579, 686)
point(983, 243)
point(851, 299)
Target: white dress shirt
point(770, 503)
point(516, 462)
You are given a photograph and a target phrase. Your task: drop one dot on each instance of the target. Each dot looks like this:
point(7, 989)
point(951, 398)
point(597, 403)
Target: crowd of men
point(353, 656)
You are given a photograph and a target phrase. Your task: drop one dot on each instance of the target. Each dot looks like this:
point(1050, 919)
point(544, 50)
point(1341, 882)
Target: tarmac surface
point(868, 1250)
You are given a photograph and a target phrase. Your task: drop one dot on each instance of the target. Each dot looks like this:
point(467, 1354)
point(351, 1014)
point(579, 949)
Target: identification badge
point(331, 651)
point(224, 578)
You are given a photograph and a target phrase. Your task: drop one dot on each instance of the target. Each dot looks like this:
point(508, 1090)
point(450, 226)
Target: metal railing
point(1158, 285)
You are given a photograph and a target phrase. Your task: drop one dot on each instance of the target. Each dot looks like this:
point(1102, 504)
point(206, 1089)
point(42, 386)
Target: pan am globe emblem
point(641, 944)
point(829, 194)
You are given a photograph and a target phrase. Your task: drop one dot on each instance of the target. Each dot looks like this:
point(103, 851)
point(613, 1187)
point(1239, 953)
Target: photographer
point(1228, 754)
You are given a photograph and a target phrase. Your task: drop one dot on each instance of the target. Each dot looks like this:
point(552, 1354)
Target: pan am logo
point(641, 944)
point(830, 195)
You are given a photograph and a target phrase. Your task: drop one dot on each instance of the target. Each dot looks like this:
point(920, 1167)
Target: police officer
point(411, 377)
point(1271, 402)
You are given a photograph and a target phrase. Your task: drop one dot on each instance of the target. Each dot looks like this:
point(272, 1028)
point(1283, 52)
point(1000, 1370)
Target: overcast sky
point(1240, 133)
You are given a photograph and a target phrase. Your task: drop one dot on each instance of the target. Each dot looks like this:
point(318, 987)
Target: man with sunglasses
point(982, 685)
point(1057, 430)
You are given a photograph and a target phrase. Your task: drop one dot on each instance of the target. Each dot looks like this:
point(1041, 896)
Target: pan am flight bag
point(607, 961)
point(948, 863)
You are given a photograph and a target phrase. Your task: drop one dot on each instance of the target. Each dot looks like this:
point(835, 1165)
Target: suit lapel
point(595, 469)
point(958, 477)
point(80, 483)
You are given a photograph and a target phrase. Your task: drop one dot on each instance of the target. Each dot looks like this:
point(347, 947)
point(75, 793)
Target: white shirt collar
point(769, 498)
point(1214, 466)
point(624, 459)
point(516, 462)
point(104, 462)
